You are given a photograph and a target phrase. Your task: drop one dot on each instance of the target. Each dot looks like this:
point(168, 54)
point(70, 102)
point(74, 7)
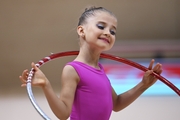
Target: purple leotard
point(93, 97)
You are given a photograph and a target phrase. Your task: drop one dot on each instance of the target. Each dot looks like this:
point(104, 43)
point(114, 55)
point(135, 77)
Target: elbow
point(115, 109)
point(63, 116)
point(117, 106)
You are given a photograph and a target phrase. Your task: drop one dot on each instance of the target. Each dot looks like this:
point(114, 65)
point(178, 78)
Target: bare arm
point(61, 106)
point(123, 100)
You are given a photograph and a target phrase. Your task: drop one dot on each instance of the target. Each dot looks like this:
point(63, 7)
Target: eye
point(112, 32)
point(100, 26)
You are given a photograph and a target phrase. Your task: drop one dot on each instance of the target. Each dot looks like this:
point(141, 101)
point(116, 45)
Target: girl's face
point(100, 31)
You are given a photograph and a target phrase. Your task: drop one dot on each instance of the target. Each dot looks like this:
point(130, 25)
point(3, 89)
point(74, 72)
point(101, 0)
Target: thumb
point(149, 72)
point(34, 66)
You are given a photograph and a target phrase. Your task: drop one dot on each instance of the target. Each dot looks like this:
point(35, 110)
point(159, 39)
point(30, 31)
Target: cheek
point(96, 30)
point(95, 33)
point(113, 40)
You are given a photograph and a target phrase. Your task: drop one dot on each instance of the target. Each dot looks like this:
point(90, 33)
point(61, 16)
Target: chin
point(106, 49)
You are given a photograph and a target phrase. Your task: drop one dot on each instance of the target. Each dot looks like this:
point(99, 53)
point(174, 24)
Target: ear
point(80, 31)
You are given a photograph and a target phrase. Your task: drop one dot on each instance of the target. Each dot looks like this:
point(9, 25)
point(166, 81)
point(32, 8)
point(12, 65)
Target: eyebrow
point(106, 23)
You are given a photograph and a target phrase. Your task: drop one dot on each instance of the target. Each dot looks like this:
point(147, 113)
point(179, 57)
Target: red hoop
point(115, 58)
point(103, 55)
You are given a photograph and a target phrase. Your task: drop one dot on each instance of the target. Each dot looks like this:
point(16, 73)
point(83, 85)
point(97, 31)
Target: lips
point(105, 39)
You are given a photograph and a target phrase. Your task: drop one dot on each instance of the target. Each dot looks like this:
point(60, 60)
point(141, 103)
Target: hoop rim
point(103, 55)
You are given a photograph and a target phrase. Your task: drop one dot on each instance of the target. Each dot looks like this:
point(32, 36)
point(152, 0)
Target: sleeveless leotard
point(93, 97)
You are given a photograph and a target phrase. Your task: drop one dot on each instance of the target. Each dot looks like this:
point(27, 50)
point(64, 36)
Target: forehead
point(103, 17)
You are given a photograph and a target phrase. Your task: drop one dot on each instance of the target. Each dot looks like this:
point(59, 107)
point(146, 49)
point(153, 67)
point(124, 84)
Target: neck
point(90, 57)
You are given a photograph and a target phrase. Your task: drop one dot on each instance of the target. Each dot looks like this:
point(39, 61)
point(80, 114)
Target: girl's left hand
point(148, 78)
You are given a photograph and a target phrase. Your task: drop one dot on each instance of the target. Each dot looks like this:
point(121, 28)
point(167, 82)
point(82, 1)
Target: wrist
point(46, 84)
point(143, 86)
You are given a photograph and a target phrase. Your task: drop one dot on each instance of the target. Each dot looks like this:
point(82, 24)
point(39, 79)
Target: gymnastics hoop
point(103, 55)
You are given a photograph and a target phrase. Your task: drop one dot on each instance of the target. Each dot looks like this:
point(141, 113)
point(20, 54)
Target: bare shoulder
point(69, 73)
point(69, 68)
point(69, 82)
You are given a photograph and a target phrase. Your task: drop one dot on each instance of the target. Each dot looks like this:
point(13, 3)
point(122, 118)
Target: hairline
point(98, 11)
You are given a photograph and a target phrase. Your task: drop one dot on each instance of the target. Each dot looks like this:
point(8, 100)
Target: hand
point(39, 79)
point(148, 78)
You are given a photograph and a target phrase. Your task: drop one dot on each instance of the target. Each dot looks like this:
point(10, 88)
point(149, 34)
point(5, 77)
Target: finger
point(151, 64)
point(23, 81)
point(159, 72)
point(149, 72)
point(24, 74)
point(34, 66)
point(23, 85)
point(158, 69)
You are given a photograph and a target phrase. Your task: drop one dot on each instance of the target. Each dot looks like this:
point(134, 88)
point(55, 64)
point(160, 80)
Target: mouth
point(105, 39)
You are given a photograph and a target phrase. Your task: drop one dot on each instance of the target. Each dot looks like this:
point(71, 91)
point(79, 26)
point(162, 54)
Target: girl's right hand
point(39, 79)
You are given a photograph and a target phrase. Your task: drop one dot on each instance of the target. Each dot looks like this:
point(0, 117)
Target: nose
point(107, 32)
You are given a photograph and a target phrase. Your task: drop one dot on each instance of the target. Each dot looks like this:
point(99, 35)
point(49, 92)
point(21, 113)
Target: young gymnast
point(86, 92)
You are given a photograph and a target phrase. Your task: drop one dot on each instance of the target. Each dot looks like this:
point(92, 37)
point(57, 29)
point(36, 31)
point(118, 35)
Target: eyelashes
point(101, 27)
point(112, 32)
